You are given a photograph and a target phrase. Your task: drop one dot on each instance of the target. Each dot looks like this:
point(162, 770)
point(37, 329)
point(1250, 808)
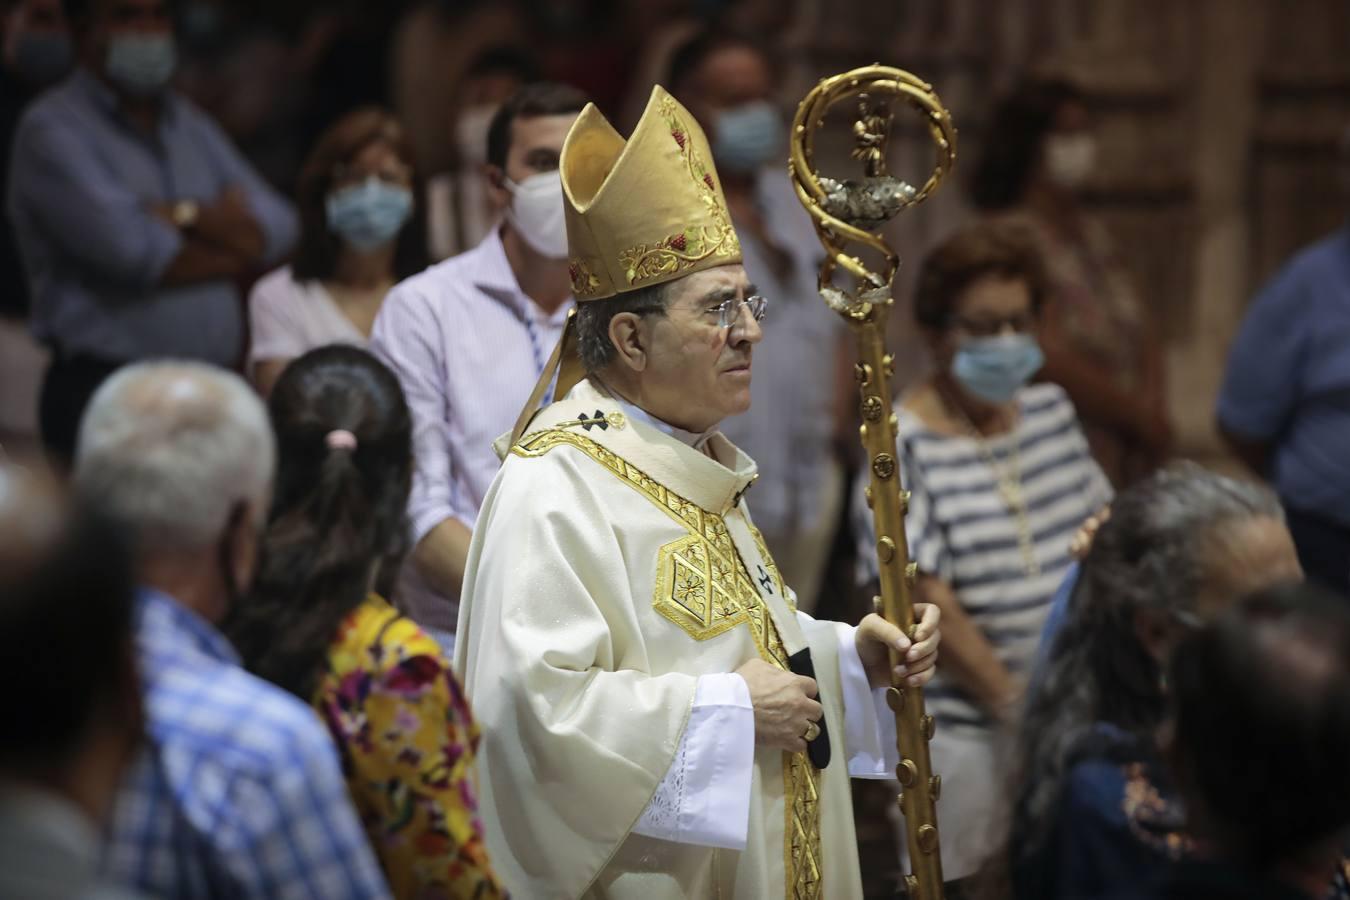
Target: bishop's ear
point(627, 331)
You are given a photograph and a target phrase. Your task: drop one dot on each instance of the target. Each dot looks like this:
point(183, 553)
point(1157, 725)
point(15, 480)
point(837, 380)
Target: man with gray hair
point(238, 791)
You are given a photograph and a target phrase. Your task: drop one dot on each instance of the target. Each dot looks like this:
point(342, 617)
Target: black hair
point(1262, 730)
point(505, 59)
point(78, 12)
point(690, 56)
point(66, 603)
point(1156, 552)
point(543, 98)
point(1013, 140)
point(338, 514)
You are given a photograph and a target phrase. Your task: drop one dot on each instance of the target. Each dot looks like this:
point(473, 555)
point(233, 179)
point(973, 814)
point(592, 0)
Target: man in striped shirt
point(469, 337)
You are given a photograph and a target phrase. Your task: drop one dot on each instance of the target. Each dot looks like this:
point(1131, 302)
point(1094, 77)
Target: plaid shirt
point(238, 792)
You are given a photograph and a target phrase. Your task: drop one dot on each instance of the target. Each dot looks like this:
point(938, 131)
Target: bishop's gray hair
point(169, 450)
point(1165, 546)
point(593, 318)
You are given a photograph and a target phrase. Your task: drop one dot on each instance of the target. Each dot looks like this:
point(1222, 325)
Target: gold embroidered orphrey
point(675, 252)
point(703, 587)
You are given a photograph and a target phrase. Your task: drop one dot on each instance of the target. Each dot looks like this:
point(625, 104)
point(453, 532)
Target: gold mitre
point(639, 212)
point(646, 210)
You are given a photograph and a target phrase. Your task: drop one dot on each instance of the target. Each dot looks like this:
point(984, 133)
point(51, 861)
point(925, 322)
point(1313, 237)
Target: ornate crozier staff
point(851, 212)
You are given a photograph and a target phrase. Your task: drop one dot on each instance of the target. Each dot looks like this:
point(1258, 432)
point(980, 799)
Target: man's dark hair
point(78, 12)
point(504, 59)
point(66, 598)
point(690, 56)
point(1013, 141)
point(593, 317)
point(543, 98)
point(980, 249)
point(1262, 704)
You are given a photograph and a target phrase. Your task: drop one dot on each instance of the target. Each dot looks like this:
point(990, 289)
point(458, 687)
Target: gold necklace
point(1009, 481)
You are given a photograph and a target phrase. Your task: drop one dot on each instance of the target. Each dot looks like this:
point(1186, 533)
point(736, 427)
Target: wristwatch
point(184, 214)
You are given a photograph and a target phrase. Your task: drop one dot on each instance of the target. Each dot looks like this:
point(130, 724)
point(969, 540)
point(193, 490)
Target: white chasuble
point(611, 566)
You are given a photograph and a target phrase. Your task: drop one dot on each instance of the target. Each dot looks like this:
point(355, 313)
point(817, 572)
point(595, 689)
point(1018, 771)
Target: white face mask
point(536, 213)
point(1070, 158)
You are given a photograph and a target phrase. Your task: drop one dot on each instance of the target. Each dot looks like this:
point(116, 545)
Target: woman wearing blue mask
point(1101, 342)
point(362, 230)
point(1000, 480)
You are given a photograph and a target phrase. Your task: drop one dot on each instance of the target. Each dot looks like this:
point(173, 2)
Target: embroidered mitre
point(639, 212)
point(646, 210)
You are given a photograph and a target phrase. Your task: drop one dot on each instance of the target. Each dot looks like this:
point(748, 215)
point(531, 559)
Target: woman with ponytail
point(315, 625)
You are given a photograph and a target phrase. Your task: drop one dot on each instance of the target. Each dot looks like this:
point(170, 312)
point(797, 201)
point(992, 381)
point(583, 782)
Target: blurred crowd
point(295, 267)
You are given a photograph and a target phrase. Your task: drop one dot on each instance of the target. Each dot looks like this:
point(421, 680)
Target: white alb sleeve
point(704, 797)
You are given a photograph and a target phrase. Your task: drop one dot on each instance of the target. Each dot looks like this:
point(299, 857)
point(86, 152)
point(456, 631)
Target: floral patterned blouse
point(407, 742)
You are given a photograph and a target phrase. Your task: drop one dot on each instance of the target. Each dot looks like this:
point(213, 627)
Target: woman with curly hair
point(1095, 810)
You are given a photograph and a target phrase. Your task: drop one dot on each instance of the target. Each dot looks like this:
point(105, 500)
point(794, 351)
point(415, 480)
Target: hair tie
point(340, 439)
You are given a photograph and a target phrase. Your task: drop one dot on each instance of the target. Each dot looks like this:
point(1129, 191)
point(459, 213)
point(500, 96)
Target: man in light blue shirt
point(135, 216)
point(1285, 402)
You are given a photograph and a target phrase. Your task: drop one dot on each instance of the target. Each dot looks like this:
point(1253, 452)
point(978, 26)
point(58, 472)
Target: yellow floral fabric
point(407, 742)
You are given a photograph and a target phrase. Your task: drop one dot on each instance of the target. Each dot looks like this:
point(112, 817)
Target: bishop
point(659, 720)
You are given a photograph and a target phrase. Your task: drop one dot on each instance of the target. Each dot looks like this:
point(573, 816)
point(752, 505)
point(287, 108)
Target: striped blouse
point(962, 531)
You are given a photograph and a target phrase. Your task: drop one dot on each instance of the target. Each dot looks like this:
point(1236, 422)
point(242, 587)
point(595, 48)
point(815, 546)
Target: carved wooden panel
point(1303, 107)
point(1274, 101)
point(1134, 59)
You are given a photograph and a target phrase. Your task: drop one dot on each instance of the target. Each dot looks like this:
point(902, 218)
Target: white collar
point(713, 477)
point(690, 439)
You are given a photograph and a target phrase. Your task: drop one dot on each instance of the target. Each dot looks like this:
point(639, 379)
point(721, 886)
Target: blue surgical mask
point(142, 64)
point(994, 368)
point(369, 214)
point(749, 136)
point(41, 57)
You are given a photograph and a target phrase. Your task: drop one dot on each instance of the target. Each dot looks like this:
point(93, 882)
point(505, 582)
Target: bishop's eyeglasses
point(728, 312)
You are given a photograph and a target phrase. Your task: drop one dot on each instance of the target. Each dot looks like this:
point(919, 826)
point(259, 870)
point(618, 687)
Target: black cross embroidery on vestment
point(597, 421)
